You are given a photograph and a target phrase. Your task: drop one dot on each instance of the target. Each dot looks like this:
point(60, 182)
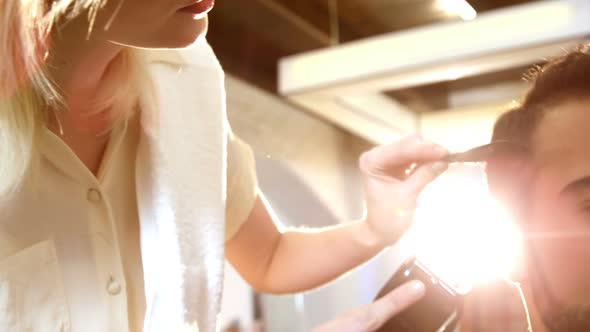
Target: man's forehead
point(561, 144)
point(562, 165)
point(563, 136)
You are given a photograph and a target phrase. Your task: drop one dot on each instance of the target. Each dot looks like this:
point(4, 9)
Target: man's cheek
point(565, 265)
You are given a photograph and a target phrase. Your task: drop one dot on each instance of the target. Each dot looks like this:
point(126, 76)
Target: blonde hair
point(26, 89)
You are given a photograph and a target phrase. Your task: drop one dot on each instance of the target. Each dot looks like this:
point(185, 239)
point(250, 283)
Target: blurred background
point(311, 84)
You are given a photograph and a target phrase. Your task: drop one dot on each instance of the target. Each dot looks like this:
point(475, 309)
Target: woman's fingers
point(423, 175)
point(391, 191)
point(392, 159)
point(371, 317)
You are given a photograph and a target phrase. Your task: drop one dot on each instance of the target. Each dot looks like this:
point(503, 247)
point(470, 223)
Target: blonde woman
point(115, 158)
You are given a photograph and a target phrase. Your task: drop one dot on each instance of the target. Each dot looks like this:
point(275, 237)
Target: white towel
point(180, 176)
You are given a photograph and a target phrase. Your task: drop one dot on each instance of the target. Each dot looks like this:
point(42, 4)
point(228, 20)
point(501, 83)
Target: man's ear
point(520, 271)
point(510, 180)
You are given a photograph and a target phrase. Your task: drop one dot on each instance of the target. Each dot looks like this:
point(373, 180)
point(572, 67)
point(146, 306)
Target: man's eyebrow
point(577, 185)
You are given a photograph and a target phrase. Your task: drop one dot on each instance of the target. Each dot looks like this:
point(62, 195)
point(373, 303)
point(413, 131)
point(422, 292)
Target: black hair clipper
point(438, 311)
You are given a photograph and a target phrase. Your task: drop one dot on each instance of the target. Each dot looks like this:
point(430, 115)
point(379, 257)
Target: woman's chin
point(180, 33)
point(188, 34)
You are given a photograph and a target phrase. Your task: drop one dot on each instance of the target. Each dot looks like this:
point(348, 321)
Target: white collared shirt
point(69, 241)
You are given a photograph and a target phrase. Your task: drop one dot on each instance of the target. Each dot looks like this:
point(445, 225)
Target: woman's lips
point(198, 8)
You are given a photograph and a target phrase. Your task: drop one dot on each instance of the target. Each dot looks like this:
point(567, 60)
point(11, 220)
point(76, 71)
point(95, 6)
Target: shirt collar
point(57, 152)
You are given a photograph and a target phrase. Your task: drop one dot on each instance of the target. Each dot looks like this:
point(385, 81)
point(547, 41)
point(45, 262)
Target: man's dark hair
point(551, 83)
point(554, 82)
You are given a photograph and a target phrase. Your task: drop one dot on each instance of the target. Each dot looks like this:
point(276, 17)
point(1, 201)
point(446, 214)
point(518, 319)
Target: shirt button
point(113, 286)
point(93, 195)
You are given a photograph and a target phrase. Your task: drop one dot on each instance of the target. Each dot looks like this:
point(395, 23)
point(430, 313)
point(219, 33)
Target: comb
point(499, 148)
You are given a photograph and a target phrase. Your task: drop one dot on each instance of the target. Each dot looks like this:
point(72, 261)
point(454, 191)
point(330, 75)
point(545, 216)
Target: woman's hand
point(371, 317)
point(392, 185)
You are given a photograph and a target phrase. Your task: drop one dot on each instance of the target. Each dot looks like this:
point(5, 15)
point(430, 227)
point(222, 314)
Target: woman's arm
point(294, 261)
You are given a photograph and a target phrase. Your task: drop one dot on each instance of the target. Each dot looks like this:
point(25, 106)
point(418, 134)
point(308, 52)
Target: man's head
point(548, 190)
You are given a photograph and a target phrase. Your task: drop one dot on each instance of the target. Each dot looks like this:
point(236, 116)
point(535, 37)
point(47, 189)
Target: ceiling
point(251, 36)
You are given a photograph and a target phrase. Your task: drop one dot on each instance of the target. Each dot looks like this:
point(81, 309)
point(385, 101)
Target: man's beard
point(574, 319)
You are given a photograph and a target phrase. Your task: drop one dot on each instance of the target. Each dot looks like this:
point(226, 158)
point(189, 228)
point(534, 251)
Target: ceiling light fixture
point(461, 8)
point(323, 81)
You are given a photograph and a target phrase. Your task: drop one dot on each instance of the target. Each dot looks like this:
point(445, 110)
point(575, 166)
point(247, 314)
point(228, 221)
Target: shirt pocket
point(32, 295)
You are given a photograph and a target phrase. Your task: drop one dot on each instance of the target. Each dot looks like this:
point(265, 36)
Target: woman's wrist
point(369, 237)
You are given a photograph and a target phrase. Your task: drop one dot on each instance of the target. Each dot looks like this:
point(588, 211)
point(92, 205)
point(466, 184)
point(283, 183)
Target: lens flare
point(461, 233)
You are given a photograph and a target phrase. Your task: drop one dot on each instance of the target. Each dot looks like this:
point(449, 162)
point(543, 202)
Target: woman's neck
point(78, 67)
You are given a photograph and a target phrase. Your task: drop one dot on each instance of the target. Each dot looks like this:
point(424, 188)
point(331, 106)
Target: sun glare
point(461, 233)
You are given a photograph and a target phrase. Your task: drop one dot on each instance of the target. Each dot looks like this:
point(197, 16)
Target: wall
point(322, 156)
point(462, 128)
